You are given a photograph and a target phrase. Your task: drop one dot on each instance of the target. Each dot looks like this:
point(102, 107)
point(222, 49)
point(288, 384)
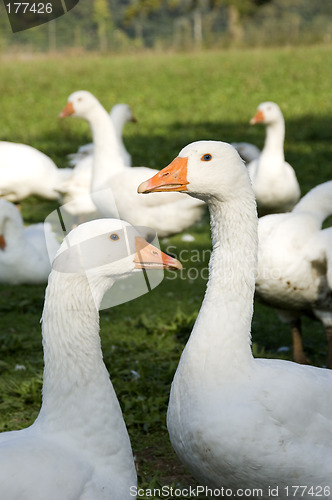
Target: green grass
point(176, 99)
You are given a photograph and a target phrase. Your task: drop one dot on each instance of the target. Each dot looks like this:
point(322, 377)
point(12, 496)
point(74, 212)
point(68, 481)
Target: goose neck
point(107, 157)
point(73, 364)
point(221, 335)
point(79, 404)
point(275, 136)
point(12, 229)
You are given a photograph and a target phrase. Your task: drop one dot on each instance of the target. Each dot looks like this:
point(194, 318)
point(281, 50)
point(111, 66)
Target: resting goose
point(25, 171)
point(25, 257)
point(114, 185)
point(78, 447)
point(295, 265)
point(237, 422)
point(274, 181)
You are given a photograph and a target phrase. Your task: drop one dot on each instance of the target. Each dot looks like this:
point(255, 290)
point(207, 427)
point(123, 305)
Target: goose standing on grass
point(25, 257)
point(114, 185)
point(274, 181)
point(237, 422)
point(295, 265)
point(25, 171)
point(78, 447)
point(120, 115)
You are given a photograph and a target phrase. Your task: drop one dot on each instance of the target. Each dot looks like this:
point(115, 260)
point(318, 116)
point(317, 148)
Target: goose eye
point(206, 157)
point(114, 237)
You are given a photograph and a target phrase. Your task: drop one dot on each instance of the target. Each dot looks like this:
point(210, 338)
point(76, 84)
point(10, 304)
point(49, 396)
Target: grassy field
point(177, 99)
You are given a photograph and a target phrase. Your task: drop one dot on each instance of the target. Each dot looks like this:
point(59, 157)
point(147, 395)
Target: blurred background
point(136, 25)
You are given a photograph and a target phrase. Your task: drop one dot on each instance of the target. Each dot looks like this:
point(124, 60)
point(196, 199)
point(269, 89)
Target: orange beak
point(67, 110)
point(148, 256)
point(171, 178)
point(258, 118)
point(3, 243)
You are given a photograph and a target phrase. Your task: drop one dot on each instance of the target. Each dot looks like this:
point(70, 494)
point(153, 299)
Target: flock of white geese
point(236, 422)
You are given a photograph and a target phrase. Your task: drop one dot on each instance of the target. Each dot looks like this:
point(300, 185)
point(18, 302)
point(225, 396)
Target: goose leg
point(298, 351)
point(328, 333)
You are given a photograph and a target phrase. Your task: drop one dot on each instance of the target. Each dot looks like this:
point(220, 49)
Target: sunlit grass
point(176, 99)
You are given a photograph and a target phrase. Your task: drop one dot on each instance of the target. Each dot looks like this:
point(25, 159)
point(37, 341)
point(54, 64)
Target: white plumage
point(273, 180)
point(114, 185)
point(295, 264)
point(78, 448)
point(25, 256)
point(120, 114)
point(76, 189)
point(237, 422)
point(247, 151)
point(25, 171)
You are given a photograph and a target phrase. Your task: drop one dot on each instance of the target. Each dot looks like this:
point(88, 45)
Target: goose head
point(80, 104)
point(109, 250)
point(203, 169)
point(267, 113)
point(122, 113)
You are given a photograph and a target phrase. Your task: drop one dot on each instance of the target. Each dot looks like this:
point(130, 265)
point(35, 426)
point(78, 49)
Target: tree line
point(123, 25)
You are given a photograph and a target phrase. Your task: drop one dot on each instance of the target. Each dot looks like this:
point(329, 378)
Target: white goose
point(274, 181)
point(120, 114)
point(237, 422)
point(76, 190)
point(295, 265)
point(25, 258)
point(114, 185)
point(25, 171)
point(78, 447)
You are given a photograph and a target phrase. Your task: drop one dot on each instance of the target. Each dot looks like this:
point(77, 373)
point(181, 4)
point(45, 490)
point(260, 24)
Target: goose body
point(273, 180)
point(75, 192)
point(25, 257)
point(78, 447)
point(295, 264)
point(25, 171)
point(237, 422)
point(114, 185)
point(248, 152)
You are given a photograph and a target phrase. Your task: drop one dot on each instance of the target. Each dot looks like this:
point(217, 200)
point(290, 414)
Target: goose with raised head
point(26, 253)
point(114, 185)
point(295, 265)
point(25, 171)
point(78, 447)
point(120, 114)
point(273, 180)
point(237, 422)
